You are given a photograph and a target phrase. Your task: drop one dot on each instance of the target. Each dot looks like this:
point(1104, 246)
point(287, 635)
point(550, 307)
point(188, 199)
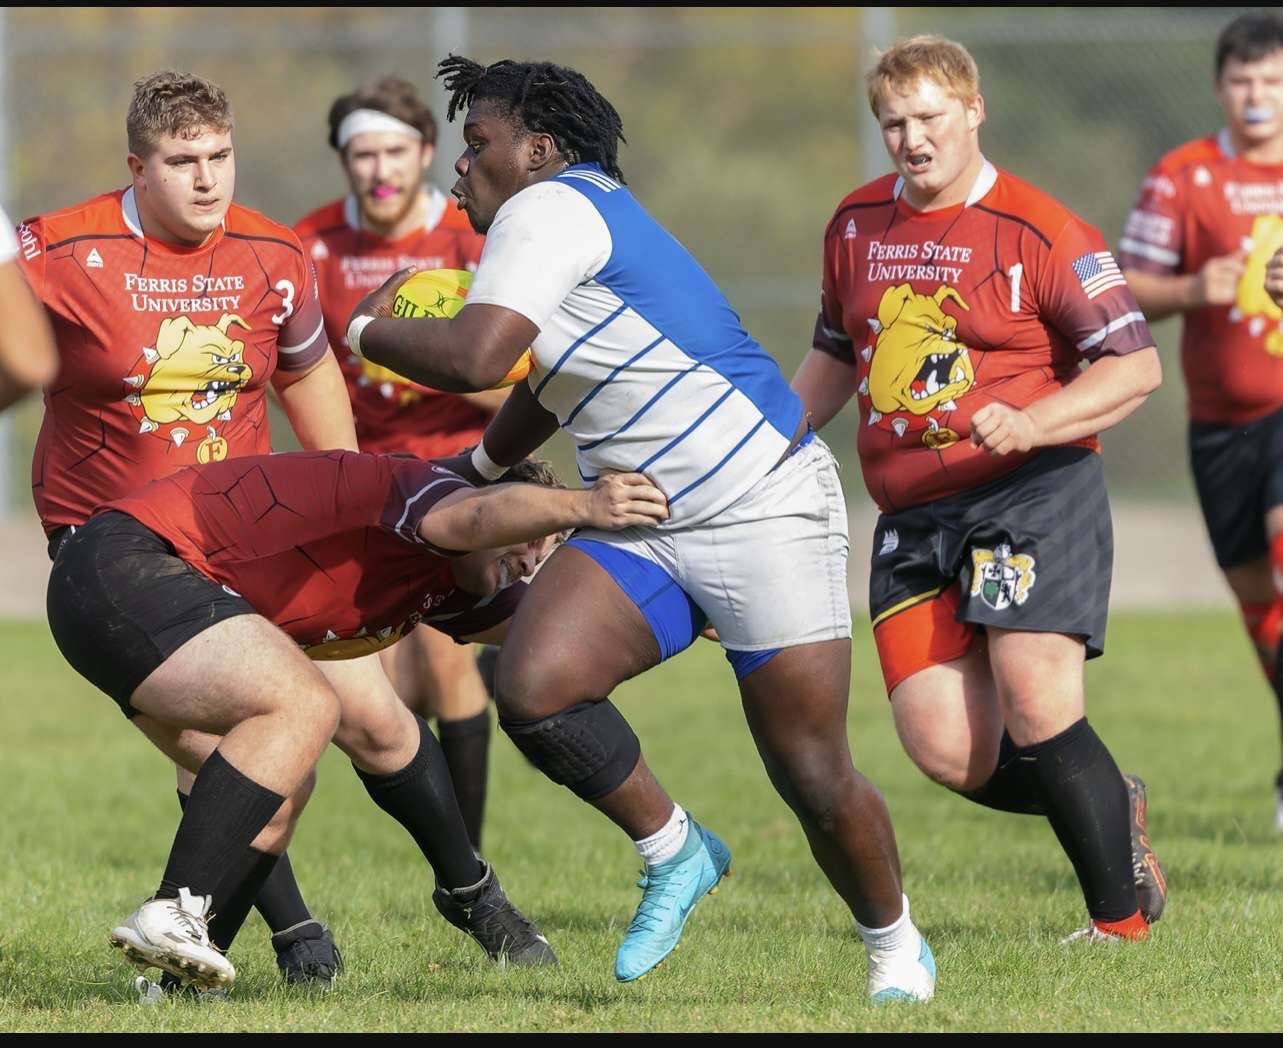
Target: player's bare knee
point(528, 687)
point(376, 737)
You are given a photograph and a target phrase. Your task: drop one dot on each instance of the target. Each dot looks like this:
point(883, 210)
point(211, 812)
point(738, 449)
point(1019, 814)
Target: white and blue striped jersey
point(639, 355)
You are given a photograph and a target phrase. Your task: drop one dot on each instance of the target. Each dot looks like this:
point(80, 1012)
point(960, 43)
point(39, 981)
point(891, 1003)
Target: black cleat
point(307, 956)
point(1151, 884)
point(484, 912)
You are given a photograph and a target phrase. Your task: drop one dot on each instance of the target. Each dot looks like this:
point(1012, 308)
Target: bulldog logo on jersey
point(1001, 578)
point(336, 648)
point(918, 368)
point(187, 383)
point(1253, 304)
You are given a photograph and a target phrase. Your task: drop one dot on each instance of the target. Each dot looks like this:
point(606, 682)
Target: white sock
point(667, 842)
point(902, 935)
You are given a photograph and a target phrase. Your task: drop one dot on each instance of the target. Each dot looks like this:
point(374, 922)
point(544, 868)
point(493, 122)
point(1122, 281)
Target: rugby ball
point(441, 293)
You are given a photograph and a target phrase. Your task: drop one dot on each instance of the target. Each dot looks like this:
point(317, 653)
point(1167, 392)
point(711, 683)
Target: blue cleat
point(893, 979)
point(670, 892)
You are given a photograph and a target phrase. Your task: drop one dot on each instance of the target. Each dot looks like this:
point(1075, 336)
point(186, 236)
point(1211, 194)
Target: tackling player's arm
point(317, 405)
point(28, 355)
point(466, 353)
point(507, 514)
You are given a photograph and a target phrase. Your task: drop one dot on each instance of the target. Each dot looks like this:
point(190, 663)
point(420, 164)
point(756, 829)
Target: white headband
point(360, 121)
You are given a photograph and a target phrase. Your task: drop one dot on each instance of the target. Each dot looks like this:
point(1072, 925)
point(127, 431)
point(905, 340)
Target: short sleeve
point(544, 242)
point(1152, 240)
point(829, 336)
point(1083, 294)
point(8, 239)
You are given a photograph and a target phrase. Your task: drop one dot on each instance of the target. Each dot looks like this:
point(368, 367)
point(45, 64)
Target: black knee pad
point(589, 747)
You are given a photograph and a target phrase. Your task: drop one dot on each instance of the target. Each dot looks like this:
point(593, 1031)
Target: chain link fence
point(745, 128)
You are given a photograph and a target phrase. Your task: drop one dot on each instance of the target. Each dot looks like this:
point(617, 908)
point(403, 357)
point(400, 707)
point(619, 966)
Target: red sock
point(1263, 621)
point(1133, 927)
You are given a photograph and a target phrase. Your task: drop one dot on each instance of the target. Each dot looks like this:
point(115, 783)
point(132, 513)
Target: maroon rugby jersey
point(942, 312)
point(323, 543)
point(392, 413)
point(164, 352)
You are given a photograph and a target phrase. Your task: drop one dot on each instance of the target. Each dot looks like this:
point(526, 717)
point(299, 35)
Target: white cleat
point(905, 975)
point(171, 934)
point(1278, 804)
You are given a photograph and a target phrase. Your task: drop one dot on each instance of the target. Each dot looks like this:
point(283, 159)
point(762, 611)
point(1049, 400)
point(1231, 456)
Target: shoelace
point(193, 925)
point(656, 889)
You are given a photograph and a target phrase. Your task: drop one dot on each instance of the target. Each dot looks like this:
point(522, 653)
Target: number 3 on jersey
point(287, 302)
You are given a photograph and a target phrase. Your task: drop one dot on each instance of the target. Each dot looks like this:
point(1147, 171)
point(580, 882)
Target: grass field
point(89, 813)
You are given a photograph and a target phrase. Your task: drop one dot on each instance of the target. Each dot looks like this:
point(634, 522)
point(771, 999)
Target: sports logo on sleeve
point(1252, 304)
point(185, 386)
point(1001, 578)
point(918, 368)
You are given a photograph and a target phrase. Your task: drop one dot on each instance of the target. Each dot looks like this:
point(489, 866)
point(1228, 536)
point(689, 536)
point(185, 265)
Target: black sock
point(466, 744)
point(279, 900)
point(1086, 801)
point(421, 798)
point(234, 896)
point(223, 815)
point(1011, 787)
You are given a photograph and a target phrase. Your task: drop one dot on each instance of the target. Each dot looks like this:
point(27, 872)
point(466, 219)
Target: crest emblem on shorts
point(1001, 578)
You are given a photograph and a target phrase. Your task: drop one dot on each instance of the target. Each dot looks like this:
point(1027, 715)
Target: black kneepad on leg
point(589, 747)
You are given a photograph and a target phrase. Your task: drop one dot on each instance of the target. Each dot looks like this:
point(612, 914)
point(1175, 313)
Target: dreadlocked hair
point(545, 99)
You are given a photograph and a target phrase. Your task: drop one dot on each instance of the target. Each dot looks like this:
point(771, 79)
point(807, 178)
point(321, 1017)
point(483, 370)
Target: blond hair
point(929, 57)
point(174, 103)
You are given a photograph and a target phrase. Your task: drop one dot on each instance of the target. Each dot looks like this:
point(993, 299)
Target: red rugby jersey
point(1198, 202)
point(164, 351)
point(392, 413)
point(944, 311)
point(323, 543)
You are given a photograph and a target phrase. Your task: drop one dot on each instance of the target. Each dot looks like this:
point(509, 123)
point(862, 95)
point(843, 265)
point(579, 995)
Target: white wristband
point(484, 464)
point(354, 329)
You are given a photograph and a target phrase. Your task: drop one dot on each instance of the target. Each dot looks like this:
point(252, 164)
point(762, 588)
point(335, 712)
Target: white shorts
point(768, 572)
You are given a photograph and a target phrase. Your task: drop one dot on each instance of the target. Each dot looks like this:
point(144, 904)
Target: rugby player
point(28, 355)
point(175, 309)
point(1208, 219)
point(188, 601)
point(644, 364)
point(385, 138)
point(958, 303)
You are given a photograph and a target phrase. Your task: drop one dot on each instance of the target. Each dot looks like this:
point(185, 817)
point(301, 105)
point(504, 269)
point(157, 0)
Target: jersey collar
point(1224, 143)
point(129, 215)
point(984, 182)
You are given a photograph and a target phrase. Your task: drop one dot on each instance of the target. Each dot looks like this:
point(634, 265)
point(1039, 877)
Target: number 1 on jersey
point(1013, 274)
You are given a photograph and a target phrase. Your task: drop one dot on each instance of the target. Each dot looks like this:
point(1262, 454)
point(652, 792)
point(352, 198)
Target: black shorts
point(1238, 471)
point(120, 603)
point(1032, 550)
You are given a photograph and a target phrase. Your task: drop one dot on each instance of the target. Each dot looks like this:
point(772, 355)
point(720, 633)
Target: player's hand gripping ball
point(441, 293)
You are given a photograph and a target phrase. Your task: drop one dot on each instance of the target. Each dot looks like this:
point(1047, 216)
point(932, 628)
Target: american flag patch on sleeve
point(1098, 272)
